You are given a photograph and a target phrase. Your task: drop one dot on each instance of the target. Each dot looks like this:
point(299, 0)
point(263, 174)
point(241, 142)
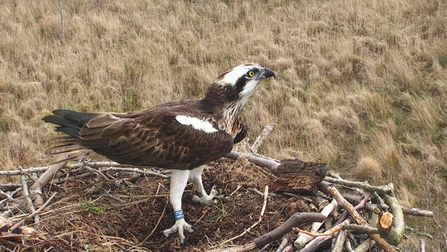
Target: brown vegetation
point(361, 85)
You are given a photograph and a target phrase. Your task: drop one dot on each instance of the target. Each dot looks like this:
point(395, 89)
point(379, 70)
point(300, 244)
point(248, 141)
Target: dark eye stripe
point(240, 83)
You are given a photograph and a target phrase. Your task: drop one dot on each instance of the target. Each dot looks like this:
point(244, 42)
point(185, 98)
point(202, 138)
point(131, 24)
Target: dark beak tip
point(269, 73)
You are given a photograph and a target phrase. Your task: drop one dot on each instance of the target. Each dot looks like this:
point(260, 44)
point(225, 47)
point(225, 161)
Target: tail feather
point(68, 121)
point(69, 131)
point(79, 150)
point(80, 117)
point(59, 120)
point(64, 145)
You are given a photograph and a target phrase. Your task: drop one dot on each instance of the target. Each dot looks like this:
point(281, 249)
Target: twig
point(294, 220)
point(330, 232)
point(9, 187)
point(384, 189)
point(340, 241)
point(265, 248)
point(317, 243)
point(365, 246)
point(136, 170)
point(7, 195)
point(101, 174)
point(257, 160)
point(262, 137)
point(288, 248)
point(285, 239)
point(419, 232)
point(324, 187)
point(348, 246)
point(255, 191)
point(357, 217)
point(422, 245)
point(24, 171)
point(156, 225)
point(114, 197)
point(382, 203)
point(11, 197)
point(36, 188)
point(264, 205)
point(91, 164)
point(237, 189)
point(18, 224)
point(304, 238)
point(417, 212)
point(156, 192)
point(342, 226)
point(29, 201)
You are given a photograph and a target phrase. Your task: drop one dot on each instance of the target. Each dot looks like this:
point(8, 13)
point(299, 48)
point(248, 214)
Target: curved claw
point(207, 199)
point(180, 226)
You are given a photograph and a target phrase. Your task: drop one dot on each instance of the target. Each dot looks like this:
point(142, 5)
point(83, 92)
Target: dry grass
point(362, 85)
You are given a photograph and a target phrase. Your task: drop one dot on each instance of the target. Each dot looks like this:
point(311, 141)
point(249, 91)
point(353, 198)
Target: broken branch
point(358, 218)
point(384, 189)
point(396, 230)
point(262, 137)
point(18, 224)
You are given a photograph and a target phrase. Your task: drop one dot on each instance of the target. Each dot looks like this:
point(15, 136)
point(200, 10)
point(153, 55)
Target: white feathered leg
point(179, 178)
point(195, 176)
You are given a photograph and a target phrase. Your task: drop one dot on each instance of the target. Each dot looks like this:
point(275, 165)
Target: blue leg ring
point(178, 214)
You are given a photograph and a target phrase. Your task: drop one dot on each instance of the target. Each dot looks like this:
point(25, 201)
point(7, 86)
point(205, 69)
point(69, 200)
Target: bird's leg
point(179, 178)
point(195, 176)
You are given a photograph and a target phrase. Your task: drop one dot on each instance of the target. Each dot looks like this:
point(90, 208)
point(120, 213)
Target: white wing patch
point(196, 123)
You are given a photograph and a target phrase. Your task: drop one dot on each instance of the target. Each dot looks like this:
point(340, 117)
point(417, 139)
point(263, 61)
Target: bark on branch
point(358, 218)
point(295, 220)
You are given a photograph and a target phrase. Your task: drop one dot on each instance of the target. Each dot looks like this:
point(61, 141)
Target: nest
point(103, 206)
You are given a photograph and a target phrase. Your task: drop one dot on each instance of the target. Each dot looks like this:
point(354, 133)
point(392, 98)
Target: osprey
point(181, 135)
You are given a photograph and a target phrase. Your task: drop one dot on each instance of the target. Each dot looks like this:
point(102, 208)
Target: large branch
point(295, 220)
point(36, 188)
point(358, 218)
point(303, 239)
point(396, 232)
point(257, 160)
point(384, 189)
point(262, 137)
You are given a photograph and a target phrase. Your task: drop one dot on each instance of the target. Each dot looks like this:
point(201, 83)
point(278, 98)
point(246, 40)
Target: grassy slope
point(361, 85)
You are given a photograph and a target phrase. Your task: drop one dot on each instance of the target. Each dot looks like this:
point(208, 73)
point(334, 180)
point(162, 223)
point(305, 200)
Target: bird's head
point(237, 85)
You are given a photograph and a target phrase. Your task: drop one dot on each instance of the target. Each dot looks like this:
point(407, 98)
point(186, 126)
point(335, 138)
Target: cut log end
point(386, 220)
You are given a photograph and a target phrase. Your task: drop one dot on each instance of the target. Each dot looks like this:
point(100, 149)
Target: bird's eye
point(251, 74)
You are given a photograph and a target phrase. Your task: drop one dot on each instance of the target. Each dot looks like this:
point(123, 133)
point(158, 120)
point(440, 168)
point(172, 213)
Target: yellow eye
point(251, 73)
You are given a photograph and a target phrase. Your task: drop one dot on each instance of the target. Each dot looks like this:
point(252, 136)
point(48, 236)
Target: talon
point(213, 192)
point(221, 197)
point(179, 225)
point(184, 243)
point(207, 199)
point(196, 199)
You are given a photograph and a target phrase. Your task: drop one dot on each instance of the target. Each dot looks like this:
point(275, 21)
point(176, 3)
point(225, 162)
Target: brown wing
point(154, 138)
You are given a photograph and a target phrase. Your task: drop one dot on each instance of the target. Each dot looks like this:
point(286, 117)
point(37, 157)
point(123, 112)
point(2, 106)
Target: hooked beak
point(266, 73)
